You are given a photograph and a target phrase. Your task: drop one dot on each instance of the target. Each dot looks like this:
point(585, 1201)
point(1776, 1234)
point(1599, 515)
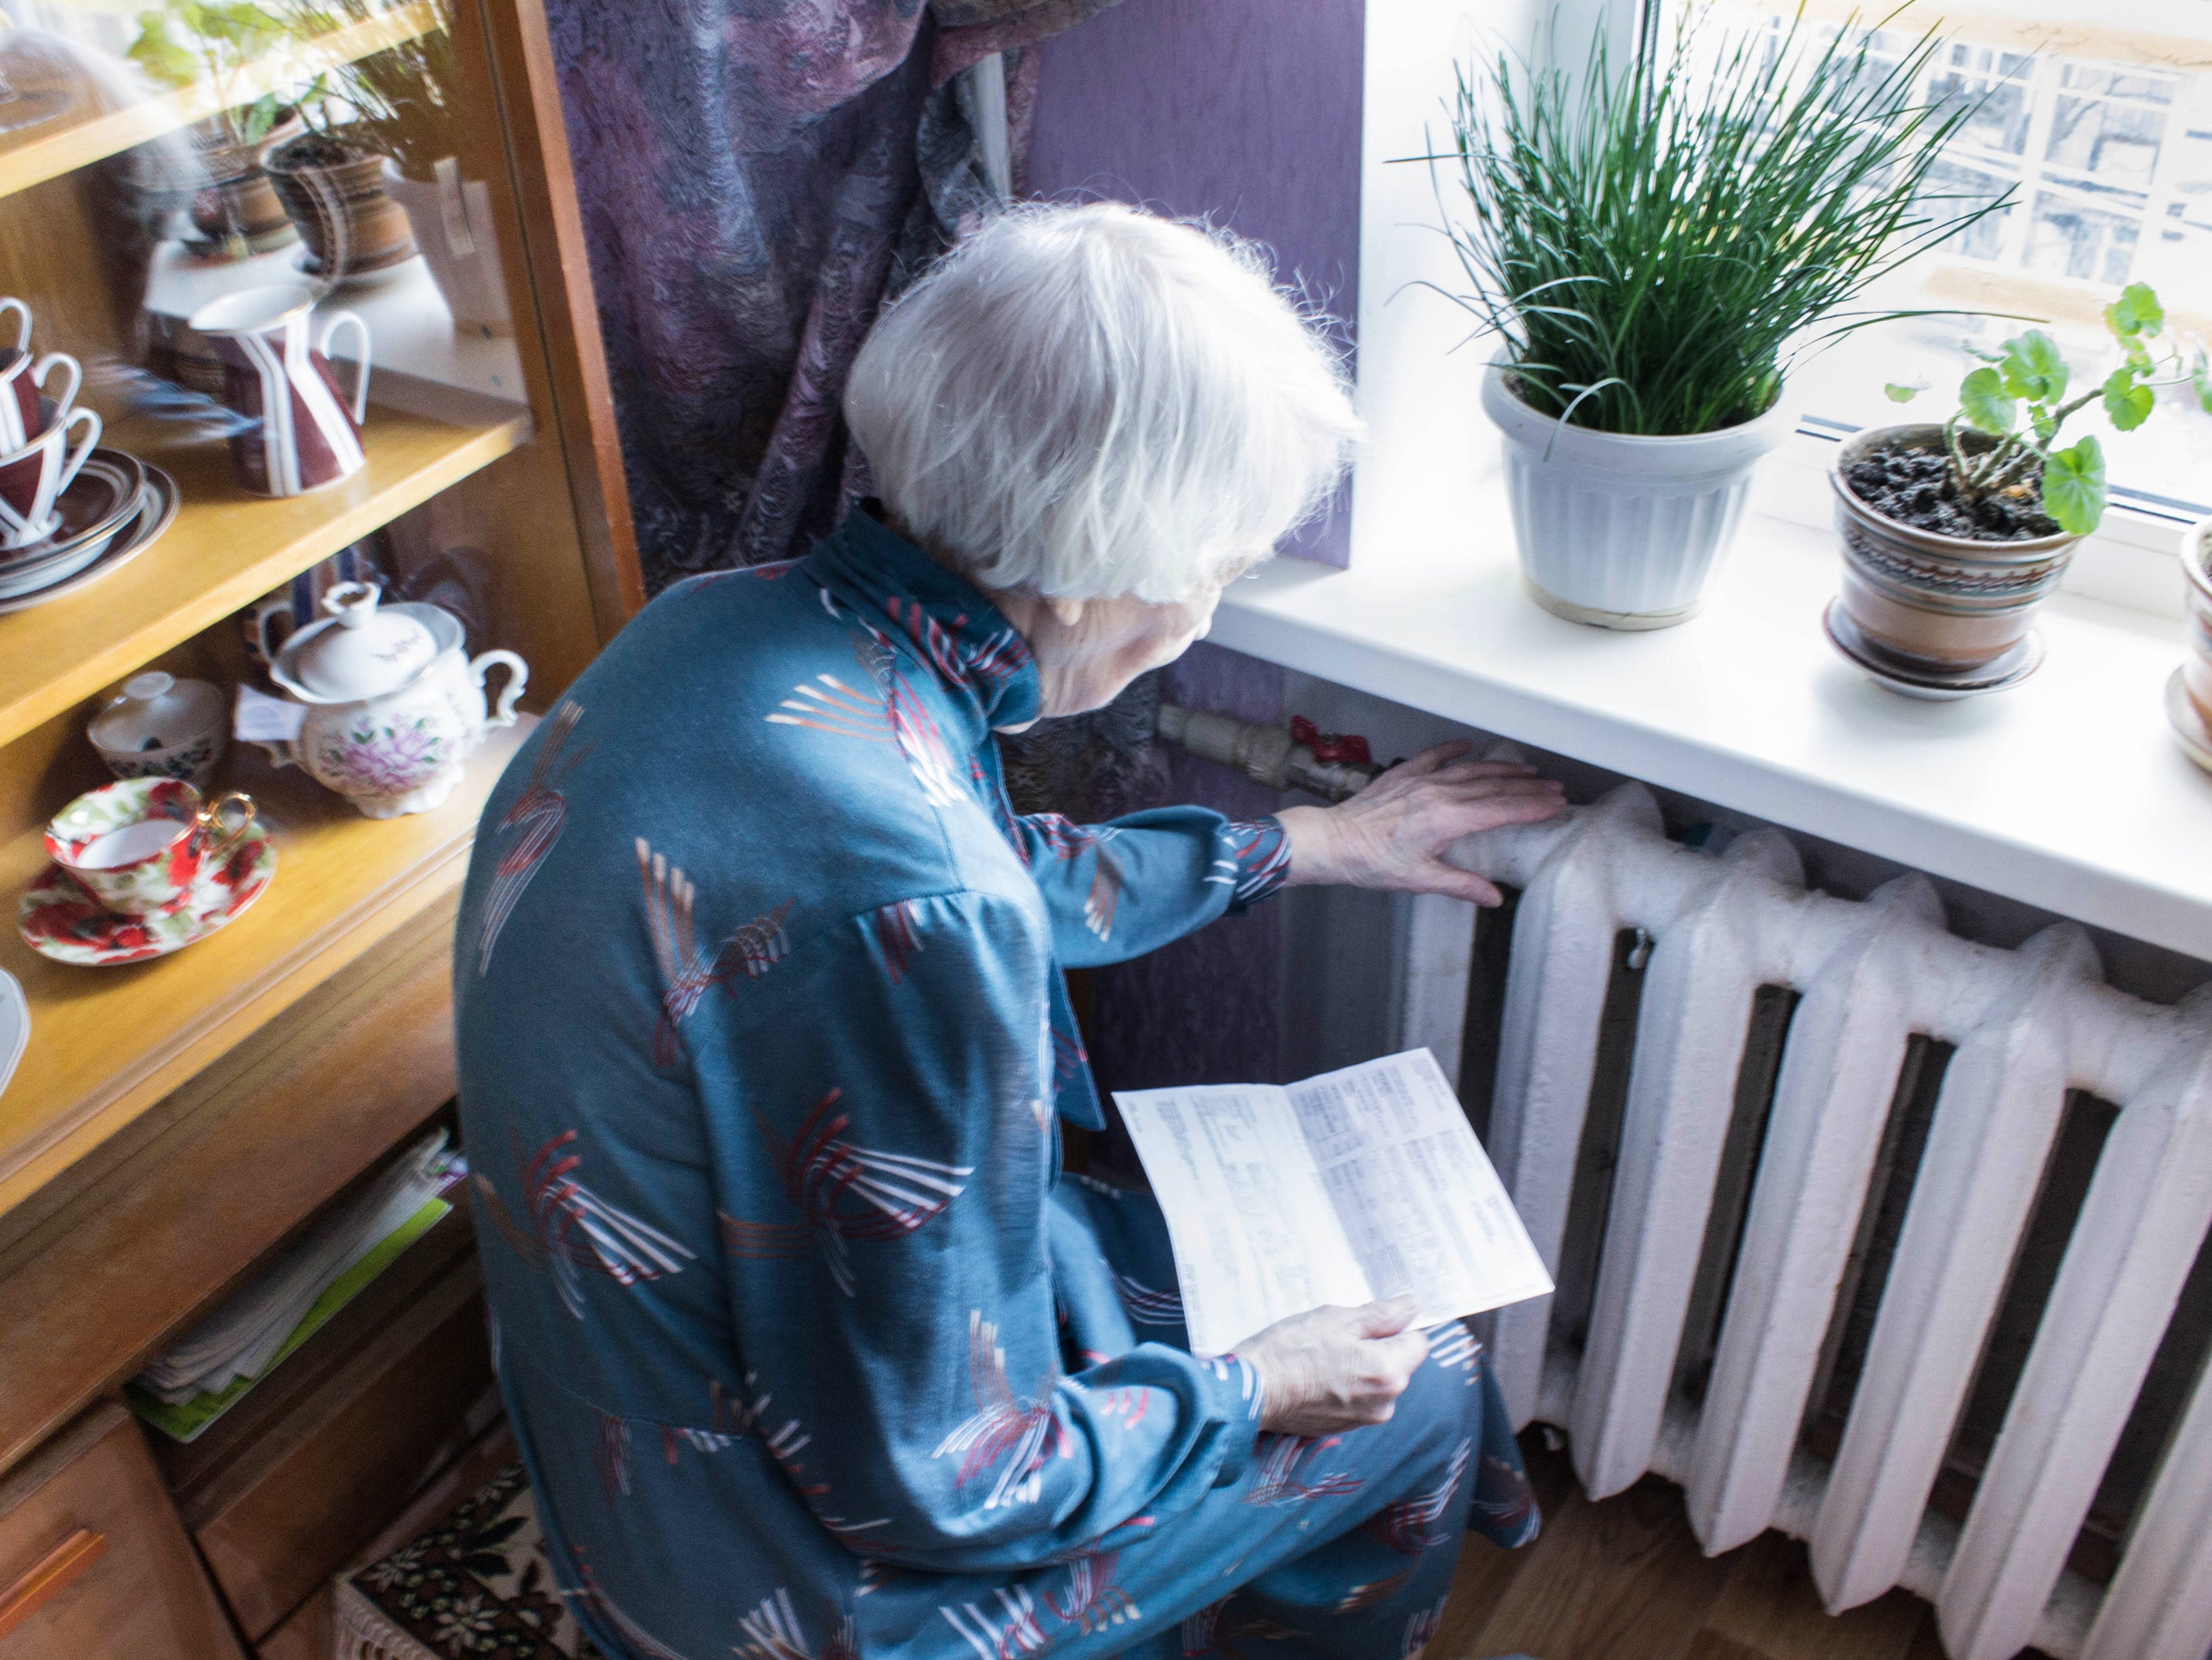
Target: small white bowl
point(163, 727)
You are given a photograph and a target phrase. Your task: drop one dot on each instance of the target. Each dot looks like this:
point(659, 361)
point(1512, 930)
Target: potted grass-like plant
point(1654, 248)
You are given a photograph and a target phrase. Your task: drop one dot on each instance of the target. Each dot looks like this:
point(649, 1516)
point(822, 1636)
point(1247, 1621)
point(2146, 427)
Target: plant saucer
point(2006, 671)
point(59, 920)
point(2188, 722)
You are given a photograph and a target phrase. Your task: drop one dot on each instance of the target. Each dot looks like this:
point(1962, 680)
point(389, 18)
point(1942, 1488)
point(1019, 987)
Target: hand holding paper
point(1355, 1185)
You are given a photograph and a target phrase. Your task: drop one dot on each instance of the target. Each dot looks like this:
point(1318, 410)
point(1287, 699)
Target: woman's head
point(1094, 404)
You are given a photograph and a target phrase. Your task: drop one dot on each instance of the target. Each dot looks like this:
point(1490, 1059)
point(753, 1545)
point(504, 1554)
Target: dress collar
point(940, 620)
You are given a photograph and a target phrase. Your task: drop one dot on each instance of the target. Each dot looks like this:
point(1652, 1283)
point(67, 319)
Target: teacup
point(34, 475)
point(23, 379)
point(140, 847)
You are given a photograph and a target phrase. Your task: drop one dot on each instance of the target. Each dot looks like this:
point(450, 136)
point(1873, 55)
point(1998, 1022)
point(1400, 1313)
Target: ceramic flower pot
point(1932, 607)
point(395, 705)
point(351, 226)
point(238, 201)
point(2189, 694)
point(1620, 531)
point(452, 223)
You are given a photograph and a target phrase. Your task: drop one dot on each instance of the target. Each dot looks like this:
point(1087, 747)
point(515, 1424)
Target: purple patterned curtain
point(755, 175)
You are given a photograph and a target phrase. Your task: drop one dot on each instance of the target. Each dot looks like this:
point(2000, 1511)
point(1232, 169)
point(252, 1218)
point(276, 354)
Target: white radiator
point(2028, 1026)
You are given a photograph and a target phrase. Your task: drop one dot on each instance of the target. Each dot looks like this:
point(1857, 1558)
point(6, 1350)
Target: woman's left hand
point(1393, 833)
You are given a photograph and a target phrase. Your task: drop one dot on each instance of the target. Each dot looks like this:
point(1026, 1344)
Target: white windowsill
point(2067, 792)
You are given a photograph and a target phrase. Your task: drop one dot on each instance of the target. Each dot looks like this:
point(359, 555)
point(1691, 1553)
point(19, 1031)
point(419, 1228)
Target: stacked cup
point(37, 461)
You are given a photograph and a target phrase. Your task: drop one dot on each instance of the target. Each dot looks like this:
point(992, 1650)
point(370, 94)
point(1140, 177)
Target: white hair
point(1092, 401)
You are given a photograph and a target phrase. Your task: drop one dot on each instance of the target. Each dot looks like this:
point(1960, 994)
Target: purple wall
point(1242, 112)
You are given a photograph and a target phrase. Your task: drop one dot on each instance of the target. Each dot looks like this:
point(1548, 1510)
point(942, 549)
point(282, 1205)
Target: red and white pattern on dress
point(1421, 1626)
point(983, 663)
point(844, 1192)
point(1092, 1600)
point(569, 1228)
point(1410, 1526)
point(1128, 1404)
point(1258, 860)
point(1373, 1592)
point(1008, 1638)
point(1015, 1436)
point(896, 935)
point(773, 1632)
point(526, 831)
point(1455, 1349)
point(685, 974)
point(841, 709)
point(1285, 1462)
point(1104, 897)
point(1145, 1306)
point(893, 711)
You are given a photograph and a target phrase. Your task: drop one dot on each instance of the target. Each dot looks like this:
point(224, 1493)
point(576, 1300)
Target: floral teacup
point(141, 846)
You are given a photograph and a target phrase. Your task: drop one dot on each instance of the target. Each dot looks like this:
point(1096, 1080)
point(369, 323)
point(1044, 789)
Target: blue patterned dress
point(811, 1350)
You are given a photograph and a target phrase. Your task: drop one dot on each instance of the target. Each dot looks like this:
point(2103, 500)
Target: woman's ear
point(1067, 612)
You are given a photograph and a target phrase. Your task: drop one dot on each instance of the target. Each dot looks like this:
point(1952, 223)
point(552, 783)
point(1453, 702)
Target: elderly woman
point(811, 1348)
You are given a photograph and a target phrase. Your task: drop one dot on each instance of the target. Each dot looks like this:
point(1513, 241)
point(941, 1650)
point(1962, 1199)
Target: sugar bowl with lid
point(394, 704)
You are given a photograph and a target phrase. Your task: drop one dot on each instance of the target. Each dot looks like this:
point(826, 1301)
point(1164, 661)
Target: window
point(2096, 115)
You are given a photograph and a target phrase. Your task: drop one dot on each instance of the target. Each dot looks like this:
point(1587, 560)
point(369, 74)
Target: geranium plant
point(2018, 399)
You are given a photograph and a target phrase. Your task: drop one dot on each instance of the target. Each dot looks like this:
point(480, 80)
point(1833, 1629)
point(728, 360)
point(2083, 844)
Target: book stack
point(213, 1367)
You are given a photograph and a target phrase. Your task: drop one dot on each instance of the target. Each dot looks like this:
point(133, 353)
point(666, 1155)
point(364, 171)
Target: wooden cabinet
point(93, 1560)
point(175, 1122)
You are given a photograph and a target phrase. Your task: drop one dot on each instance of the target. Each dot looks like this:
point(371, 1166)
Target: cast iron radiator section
point(1805, 1074)
point(2027, 1031)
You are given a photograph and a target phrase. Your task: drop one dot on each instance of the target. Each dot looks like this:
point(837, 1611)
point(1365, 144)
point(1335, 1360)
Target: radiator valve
point(1298, 757)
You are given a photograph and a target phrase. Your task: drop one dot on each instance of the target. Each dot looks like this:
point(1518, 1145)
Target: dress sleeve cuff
point(1239, 1399)
point(1262, 852)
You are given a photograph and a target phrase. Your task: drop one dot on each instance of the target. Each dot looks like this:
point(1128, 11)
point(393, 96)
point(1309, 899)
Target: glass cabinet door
point(273, 364)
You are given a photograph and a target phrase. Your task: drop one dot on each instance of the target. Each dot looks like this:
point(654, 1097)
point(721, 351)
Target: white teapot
point(395, 704)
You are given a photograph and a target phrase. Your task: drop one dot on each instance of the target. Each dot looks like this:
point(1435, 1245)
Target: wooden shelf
point(226, 550)
point(95, 131)
point(108, 1044)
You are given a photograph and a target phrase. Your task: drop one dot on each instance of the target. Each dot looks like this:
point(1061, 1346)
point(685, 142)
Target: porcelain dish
point(163, 727)
point(59, 920)
point(156, 511)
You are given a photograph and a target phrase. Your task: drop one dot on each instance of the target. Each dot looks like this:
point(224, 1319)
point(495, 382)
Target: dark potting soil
point(1909, 486)
point(314, 149)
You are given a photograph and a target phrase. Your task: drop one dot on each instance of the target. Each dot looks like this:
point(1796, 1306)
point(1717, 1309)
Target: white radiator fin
point(2027, 1026)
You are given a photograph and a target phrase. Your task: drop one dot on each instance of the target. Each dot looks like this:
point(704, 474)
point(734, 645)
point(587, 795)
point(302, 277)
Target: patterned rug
point(475, 1587)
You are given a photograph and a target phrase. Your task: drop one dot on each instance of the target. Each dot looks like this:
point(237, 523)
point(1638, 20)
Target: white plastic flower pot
point(1620, 531)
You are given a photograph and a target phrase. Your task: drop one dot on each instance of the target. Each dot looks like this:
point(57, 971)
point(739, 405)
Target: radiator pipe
point(1265, 755)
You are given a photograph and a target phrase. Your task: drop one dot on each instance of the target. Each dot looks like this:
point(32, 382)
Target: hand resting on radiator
point(1393, 833)
point(1334, 1369)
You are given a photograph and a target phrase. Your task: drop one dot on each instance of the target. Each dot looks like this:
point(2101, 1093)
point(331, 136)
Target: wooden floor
point(1625, 1580)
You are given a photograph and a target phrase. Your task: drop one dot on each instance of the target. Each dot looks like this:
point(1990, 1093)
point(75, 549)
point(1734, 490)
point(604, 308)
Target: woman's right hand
point(1334, 1369)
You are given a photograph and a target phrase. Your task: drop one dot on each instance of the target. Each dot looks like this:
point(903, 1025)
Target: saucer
point(2189, 730)
point(157, 510)
point(59, 920)
point(94, 509)
point(2007, 670)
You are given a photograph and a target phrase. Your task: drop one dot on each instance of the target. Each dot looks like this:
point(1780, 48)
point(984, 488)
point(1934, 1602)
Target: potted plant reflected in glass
point(331, 179)
point(236, 213)
point(409, 97)
point(1955, 533)
point(1653, 249)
